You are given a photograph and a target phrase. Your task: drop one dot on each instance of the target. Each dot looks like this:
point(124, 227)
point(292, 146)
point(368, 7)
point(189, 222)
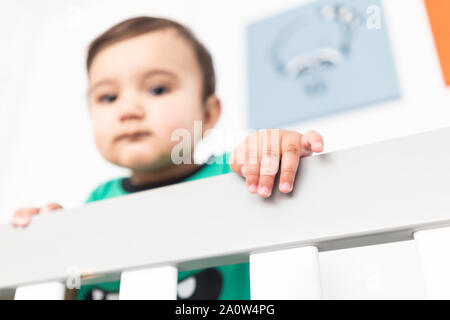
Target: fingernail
point(252, 188)
point(318, 145)
point(286, 187)
point(264, 191)
point(243, 171)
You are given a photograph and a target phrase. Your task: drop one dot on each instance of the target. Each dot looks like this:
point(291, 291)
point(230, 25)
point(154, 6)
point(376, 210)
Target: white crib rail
point(434, 253)
point(367, 195)
point(43, 291)
point(290, 274)
point(158, 283)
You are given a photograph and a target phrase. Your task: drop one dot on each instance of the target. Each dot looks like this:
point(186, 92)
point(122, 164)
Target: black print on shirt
point(208, 285)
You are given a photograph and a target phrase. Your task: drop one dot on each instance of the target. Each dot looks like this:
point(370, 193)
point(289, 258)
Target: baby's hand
point(258, 158)
point(22, 217)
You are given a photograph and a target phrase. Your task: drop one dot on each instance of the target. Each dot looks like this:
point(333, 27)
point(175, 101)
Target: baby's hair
point(140, 25)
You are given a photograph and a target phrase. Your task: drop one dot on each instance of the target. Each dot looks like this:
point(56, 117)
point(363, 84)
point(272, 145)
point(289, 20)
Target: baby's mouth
point(133, 136)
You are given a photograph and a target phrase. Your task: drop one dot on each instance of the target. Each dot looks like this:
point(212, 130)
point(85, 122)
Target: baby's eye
point(107, 98)
point(159, 90)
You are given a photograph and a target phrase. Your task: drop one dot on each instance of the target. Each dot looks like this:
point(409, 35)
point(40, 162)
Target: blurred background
point(48, 154)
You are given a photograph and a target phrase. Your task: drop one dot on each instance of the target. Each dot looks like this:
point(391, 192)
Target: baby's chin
point(138, 159)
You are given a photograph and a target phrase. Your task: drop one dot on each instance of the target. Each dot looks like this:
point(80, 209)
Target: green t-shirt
point(222, 283)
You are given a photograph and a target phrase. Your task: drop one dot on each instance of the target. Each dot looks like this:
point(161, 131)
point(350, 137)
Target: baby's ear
point(212, 109)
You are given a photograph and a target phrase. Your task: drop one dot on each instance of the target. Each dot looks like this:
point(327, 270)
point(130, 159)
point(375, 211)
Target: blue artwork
point(321, 58)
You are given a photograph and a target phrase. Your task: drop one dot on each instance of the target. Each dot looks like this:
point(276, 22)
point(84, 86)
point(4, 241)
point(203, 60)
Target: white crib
point(380, 193)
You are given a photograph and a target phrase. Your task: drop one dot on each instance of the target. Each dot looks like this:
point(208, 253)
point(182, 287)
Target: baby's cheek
point(176, 129)
point(103, 142)
point(101, 128)
point(183, 120)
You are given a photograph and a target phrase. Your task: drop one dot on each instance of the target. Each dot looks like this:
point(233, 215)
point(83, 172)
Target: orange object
point(439, 15)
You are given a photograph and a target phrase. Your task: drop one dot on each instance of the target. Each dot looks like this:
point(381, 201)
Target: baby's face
point(140, 91)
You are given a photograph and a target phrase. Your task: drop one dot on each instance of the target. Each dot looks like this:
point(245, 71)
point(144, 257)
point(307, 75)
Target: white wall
point(48, 153)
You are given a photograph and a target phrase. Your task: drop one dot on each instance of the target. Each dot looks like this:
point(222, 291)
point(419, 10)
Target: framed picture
point(317, 59)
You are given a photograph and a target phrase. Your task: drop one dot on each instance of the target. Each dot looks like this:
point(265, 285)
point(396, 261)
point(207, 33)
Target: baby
point(149, 77)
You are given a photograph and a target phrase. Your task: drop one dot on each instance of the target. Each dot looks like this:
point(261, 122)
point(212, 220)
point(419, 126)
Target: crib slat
point(291, 274)
point(42, 291)
point(433, 247)
point(149, 284)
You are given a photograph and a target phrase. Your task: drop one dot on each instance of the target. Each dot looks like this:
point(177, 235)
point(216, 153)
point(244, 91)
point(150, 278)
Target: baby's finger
point(237, 159)
point(290, 157)
point(311, 142)
point(252, 162)
point(50, 207)
point(22, 217)
point(270, 161)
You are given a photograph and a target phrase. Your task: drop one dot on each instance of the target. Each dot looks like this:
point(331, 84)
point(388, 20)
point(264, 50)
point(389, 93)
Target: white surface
point(291, 274)
point(42, 291)
point(385, 271)
point(434, 255)
point(149, 284)
point(43, 108)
